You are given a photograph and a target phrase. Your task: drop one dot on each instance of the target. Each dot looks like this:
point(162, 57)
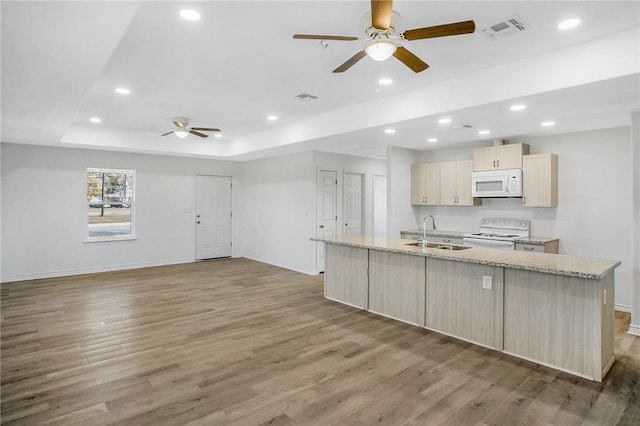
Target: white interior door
point(380, 206)
point(352, 206)
point(327, 210)
point(213, 217)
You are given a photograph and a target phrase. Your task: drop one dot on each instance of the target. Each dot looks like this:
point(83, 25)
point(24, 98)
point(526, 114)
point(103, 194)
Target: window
point(110, 199)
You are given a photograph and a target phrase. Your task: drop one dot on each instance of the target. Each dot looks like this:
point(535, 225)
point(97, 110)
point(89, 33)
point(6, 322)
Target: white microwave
point(497, 183)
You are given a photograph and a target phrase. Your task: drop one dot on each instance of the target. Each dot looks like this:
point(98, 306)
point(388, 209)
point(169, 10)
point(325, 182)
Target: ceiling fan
point(183, 129)
point(380, 28)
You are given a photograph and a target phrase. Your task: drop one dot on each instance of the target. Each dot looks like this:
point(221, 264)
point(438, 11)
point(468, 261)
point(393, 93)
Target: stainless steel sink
point(440, 246)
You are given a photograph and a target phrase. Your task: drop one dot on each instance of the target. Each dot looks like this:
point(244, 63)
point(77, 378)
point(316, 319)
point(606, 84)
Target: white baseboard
point(282, 265)
point(623, 308)
point(81, 271)
point(634, 329)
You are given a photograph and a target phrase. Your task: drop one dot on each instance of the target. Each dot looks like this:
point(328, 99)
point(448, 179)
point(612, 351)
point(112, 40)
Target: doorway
point(213, 217)
point(352, 203)
point(327, 218)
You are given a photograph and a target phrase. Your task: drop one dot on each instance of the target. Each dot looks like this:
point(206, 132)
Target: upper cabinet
point(455, 184)
point(425, 184)
point(499, 157)
point(540, 180)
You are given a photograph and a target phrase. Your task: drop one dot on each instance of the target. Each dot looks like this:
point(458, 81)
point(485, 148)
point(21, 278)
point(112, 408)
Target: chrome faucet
point(424, 227)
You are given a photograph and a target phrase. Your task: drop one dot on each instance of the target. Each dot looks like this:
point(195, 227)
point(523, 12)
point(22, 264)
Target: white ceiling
point(61, 62)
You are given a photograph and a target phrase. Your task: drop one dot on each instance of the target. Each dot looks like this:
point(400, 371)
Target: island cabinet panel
point(561, 321)
point(345, 277)
point(465, 300)
point(396, 286)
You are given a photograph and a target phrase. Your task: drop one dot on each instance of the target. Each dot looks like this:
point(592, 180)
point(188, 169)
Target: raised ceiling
point(61, 62)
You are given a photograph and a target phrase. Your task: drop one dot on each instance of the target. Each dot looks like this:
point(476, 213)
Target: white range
point(498, 233)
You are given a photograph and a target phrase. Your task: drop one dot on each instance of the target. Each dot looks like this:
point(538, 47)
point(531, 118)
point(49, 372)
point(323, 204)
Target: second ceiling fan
point(380, 29)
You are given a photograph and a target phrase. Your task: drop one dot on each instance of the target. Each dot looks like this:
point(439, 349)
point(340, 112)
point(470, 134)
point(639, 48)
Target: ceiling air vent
point(305, 97)
point(505, 28)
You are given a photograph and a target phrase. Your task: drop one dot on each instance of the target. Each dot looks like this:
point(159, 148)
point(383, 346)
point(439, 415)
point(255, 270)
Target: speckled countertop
point(437, 233)
point(459, 234)
point(573, 266)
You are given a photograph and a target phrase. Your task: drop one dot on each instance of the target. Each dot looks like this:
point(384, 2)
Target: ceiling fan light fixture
point(380, 50)
point(182, 133)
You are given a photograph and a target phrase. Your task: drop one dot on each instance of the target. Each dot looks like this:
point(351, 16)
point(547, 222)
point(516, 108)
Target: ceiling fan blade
point(194, 132)
point(351, 61)
point(381, 14)
point(456, 28)
point(324, 37)
point(205, 129)
point(179, 124)
point(410, 60)
point(168, 133)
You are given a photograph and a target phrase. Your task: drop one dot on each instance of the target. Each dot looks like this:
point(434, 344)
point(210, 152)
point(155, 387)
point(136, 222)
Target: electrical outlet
point(487, 282)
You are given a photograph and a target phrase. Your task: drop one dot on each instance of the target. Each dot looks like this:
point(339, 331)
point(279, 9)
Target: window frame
point(88, 203)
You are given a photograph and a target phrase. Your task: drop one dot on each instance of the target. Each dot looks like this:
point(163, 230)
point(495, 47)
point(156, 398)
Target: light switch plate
point(487, 283)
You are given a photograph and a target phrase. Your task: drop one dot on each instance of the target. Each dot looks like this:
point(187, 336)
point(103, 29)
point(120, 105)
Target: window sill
point(109, 239)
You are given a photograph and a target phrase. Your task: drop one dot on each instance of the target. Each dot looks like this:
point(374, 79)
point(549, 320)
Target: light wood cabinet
point(425, 184)
point(455, 184)
point(499, 157)
point(396, 286)
point(346, 277)
point(540, 247)
point(465, 300)
point(557, 320)
point(540, 180)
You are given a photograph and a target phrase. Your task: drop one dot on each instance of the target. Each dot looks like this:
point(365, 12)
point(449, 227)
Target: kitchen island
point(552, 309)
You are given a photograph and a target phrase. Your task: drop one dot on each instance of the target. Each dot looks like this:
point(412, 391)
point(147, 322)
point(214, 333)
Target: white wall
point(276, 215)
point(635, 148)
point(594, 213)
point(43, 211)
point(400, 215)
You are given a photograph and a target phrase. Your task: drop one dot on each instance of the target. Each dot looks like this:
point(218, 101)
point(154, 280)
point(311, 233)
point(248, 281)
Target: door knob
point(198, 222)
point(321, 226)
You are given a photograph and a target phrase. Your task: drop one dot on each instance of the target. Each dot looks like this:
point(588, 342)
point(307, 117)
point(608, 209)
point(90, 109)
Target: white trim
point(622, 308)
point(111, 268)
point(108, 239)
point(634, 329)
point(282, 265)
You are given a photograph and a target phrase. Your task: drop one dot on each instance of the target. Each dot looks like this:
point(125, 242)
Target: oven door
point(493, 244)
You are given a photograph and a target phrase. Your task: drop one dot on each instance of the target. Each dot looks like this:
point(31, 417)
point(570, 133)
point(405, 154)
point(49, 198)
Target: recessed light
point(272, 117)
point(123, 90)
point(432, 140)
point(190, 15)
point(518, 107)
point(444, 120)
point(385, 81)
point(217, 135)
point(484, 132)
point(95, 120)
point(548, 123)
point(568, 24)
point(389, 131)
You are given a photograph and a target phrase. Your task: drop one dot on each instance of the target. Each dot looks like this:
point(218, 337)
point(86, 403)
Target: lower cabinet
point(465, 300)
point(561, 321)
point(346, 279)
point(396, 286)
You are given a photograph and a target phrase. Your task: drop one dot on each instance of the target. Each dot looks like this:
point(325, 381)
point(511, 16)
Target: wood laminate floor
point(237, 342)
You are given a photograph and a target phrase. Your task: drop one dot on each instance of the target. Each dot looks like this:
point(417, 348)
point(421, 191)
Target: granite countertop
point(437, 233)
point(573, 266)
point(460, 234)
point(535, 240)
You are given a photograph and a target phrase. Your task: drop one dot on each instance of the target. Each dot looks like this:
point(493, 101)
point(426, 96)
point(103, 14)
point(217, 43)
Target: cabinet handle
point(498, 162)
point(494, 163)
